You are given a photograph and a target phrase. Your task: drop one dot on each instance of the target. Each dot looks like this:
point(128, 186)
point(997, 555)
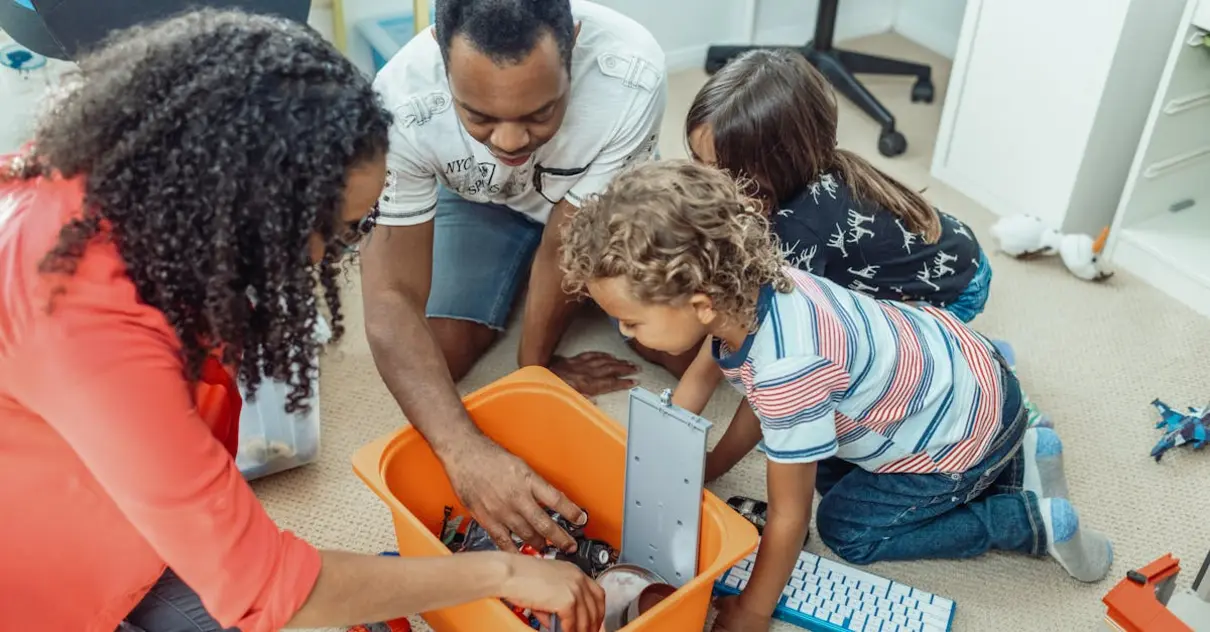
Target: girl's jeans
point(865, 517)
point(171, 606)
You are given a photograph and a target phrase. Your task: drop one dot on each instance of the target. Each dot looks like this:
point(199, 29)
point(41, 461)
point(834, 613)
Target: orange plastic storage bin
point(576, 447)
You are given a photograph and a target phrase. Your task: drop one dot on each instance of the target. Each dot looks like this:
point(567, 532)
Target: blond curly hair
point(675, 228)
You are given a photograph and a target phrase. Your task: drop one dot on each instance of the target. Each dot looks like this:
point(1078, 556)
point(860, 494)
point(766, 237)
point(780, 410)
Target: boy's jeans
point(865, 517)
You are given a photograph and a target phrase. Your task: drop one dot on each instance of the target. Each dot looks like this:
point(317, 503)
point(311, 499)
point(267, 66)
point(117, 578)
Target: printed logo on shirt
point(390, 187)
point(420, 110)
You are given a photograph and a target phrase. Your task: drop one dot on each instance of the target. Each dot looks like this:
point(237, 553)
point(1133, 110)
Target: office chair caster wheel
point(922, 90)
point(891, 143)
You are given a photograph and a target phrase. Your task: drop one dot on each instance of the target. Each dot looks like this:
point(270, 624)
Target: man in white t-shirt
point(508, 114)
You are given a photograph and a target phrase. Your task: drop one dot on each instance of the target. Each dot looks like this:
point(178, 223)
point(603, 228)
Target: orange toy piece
point(1137, 603)
point(576, 447)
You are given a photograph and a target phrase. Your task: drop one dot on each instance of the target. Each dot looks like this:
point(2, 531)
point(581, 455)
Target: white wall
point(686, 28)
point(934, 24)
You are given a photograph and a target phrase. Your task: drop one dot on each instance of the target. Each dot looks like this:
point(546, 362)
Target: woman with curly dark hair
point(186, 191)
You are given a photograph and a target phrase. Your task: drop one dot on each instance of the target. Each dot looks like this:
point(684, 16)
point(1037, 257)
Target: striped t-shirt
point(889, 387)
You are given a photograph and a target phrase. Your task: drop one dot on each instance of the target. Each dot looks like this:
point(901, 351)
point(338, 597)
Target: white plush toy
point(1025, 236)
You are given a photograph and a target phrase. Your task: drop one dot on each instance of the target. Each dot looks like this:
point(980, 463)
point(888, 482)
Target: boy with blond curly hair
point(932, 455)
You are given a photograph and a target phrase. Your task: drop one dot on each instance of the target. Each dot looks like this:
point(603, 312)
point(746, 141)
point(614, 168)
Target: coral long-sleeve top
point(109, 472)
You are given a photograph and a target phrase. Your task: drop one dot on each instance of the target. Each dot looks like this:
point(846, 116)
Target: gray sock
point(1043, 452)
point(1085, 554)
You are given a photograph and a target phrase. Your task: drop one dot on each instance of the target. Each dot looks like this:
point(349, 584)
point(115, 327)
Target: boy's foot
point(1035, 418)
point(1085, 554)
point(1043, 453)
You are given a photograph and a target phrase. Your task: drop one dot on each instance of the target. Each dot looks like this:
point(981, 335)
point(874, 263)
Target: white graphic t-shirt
point(618, 92)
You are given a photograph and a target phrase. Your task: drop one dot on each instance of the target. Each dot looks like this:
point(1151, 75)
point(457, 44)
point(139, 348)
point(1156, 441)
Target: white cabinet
point(1047, 102)
point(1162, 228)
point(1201, 18)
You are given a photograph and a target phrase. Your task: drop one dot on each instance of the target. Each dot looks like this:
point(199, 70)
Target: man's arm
point(548, 308)
point(396, 272)
point(500, 490)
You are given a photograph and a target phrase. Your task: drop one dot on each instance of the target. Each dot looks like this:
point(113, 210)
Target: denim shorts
point(481, 258)
point(970, 303)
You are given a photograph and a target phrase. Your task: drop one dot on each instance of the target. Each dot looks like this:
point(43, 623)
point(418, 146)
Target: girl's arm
point(357, 588)
point(698, 384)
point(740, 438)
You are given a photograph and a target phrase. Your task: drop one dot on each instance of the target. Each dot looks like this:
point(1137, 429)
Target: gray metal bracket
point(665, 466)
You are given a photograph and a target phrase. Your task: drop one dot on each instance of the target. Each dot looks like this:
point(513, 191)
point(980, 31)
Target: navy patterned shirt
point(866, 248)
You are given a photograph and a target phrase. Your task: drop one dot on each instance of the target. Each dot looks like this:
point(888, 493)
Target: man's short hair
point(505, 30)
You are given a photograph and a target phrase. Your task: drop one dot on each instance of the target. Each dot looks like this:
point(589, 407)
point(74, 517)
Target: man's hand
point(735, 616)
point(558, 588)
point(505, 496)
point(594, 373)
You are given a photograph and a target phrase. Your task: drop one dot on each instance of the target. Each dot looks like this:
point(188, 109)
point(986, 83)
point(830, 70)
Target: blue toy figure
point(1180, 429)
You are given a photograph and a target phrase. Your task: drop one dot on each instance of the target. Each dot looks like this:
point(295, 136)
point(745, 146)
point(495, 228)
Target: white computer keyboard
point(830, 596)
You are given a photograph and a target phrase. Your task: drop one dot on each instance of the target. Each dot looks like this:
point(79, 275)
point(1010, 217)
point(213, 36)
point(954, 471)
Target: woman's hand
point(558, 588)
point(733, 616)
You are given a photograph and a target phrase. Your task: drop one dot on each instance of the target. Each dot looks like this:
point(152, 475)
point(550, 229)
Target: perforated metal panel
point(665, 465)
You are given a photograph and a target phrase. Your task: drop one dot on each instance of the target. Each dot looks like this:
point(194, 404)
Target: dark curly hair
point(505, 30)
point(214, 145)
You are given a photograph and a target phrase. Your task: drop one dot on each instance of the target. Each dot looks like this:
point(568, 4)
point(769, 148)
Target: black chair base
point(840, 66)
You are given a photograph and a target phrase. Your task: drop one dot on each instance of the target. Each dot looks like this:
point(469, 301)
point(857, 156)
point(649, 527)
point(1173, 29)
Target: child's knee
point(853, 543)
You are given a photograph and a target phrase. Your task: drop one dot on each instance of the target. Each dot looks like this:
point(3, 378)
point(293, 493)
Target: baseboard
point(917, 27)
point(977, 193)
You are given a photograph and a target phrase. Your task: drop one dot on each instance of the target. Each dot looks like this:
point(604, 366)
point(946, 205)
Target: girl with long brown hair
point(770, 118)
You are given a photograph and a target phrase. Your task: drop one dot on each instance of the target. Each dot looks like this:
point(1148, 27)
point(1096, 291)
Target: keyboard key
point(836, 618)
point(743, 574)
point(793, 604)
point(732, 581)
point(934, 622)
point(899, 619)
point(900, 589)
point(915, 626)
point(933, 628)
point(853, 573)
point(935, 610)
point(942, 602)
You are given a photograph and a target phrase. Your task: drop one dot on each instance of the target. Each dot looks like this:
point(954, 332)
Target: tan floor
point(1093, 356)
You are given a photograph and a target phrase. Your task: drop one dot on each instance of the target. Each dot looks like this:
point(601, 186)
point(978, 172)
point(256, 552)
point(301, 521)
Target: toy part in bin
point(1026, 236)
point(585, 459)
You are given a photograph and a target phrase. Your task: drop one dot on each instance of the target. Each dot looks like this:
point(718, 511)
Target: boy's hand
point(733, 616)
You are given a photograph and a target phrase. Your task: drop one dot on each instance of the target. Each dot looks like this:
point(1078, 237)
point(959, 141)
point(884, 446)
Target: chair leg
point(861, 63)
point(843, 80)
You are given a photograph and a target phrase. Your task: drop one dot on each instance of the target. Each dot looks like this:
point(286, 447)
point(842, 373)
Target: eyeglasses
point(355, 231)
point(540, 171)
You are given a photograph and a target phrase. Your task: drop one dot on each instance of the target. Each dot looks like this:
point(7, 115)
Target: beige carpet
point(1093, 356)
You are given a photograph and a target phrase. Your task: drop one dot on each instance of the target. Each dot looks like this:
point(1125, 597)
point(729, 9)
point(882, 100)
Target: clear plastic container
point(270, 440)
